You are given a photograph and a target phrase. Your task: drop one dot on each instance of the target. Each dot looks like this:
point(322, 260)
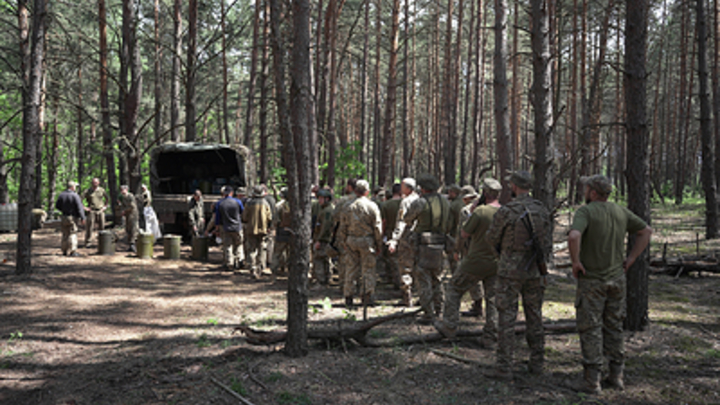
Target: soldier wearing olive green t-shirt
point(597, 249)
point(480, 264)
point(97, 202)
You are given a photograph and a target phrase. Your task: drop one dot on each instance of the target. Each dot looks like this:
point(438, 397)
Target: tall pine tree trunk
point(500, 85)
point(708, 155)
point(544, 189)
point(250, 108)
point(388, 135)
point(190, 84)
point(158, 73)
point(637, 153)
point(176, 74)
point(31, 138)
point(108, 145)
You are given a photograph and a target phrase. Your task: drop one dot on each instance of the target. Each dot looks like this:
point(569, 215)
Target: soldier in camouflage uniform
point(322, 238)
point(597, 250)
point(431, 216)
point(196, 214)
point(400, 244)
point(363, 229)
point(129, 209)
point(455, 194)
point(283, 234)
point(389, 211)
point(338, 240)
point(463, 243)
point(256, 220)
point(519, 273)
point(72, 209)
point(97, 202)
point(480, 264)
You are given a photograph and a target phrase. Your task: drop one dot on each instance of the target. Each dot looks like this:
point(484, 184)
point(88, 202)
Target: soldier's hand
point(627, 263)
point(577, 268)
point(317, 245)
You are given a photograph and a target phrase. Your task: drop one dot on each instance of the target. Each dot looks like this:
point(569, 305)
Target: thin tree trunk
point(190, 126)
point(51, 147)
point(479, 92)
point(500, 85)
point(544, 189)
point(264, 97)
point(176, 74)
point(158, 73)
point(515, 101)
point(716, 87)
point(388, 137)
point(468, 91)
point(364, 156)
point(447, 137)
point(637, 155)
point(105, 111)
point(79, 128)
point(225, 112)
point(376, 95)
point(406, 141)
point(708, 155)
point(250, 108)
point(31, 136)
point(682, 140)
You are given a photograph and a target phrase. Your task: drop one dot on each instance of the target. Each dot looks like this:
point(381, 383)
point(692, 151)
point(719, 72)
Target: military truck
point(178, 169)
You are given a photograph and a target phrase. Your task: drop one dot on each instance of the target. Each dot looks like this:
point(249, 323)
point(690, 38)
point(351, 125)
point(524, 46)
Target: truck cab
point(178, 169)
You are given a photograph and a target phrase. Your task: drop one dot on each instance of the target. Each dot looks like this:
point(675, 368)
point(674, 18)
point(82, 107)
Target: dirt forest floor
point(122, 330)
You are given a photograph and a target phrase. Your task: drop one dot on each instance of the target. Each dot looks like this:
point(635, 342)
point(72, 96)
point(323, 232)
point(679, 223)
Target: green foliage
point(347, 163)
point(286, 397)
point(238, 387)
point(14, 336)
point(274, 377)
point(212, 321)
point(203, 341)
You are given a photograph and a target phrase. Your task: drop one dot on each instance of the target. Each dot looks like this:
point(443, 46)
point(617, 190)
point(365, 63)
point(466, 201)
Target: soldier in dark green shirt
point(323, 236)
point(130, 212)
point(597, 249)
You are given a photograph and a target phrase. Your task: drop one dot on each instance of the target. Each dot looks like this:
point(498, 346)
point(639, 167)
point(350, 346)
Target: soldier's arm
point(642, 238)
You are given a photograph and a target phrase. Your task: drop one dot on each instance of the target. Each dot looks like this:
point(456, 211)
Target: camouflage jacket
point(403, 229)
point(363, 220)
point(127, 204)
point(324, 226)
point(510, 238)
point(195, 211)
point(257, 216)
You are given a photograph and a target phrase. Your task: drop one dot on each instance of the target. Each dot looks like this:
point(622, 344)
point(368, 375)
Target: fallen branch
point(231, 392)
point(355, 330)
point(251, 374)
point(456, 357)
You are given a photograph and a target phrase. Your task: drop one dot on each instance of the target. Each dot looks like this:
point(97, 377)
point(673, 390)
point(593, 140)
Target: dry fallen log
point(358, 332)
point(344, 330)
point(686, 264)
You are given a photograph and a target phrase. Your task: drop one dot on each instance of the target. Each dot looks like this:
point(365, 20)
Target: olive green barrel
point(200, 247)
point(171, 245)
point(145, 245)
point(106, 243)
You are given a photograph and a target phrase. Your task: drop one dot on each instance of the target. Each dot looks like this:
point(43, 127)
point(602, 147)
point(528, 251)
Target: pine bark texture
point(637, 153)
point(500, 88)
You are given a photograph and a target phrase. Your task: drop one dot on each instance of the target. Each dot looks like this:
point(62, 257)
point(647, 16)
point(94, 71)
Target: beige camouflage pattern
point(129, 208)
point(340, 236)
point(600, 307)
point(405, 252)
point(363, 227)
point(68, 229)
point(96, 200)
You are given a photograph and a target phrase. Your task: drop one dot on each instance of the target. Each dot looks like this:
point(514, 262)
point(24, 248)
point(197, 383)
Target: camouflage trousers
point(232, 252)
point(321, 264)
point(280, 254)
point(256, 246)
point(131, 227)
point(404, 263)
point(94, 217)
point(343, 262)
point(68, 228)
point(361, 266)
point(508, 291)
point(459, 284)
point(600, 308)
point(428, 273)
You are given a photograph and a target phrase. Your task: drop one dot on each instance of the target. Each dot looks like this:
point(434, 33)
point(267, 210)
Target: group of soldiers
point(504, 248)
point(92, 215)
point(254, 229)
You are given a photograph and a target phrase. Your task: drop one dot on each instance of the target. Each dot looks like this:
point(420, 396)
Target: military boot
point(349, 302)
point(615, 378)
point(590, 381)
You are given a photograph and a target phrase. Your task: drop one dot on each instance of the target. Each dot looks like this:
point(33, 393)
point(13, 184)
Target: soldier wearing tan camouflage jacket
point(519, 273)
point(256, 220)
point(431, 216)
point(362, 226)
point(283, 235)
point(97, 202)
point(400, 246)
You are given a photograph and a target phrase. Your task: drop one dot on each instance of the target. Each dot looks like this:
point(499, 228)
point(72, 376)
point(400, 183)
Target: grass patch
point(286, 397)
point(274, 377)
point(238, 387)
point(713, 354)
point(690, 344)
point(203, 341)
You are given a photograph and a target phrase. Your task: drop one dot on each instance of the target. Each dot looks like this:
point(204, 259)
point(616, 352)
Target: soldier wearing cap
point(597, 250)
point(470, 197)
point(128, 206)
point(71, 206)
point(363, 229)
point(430, 214)
point(322, 237)
point(196, 213)
point(283, 233)
point(400, 243)
point(97, 202)
point(519, 272)
point(480, 264)
point(256, 220)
